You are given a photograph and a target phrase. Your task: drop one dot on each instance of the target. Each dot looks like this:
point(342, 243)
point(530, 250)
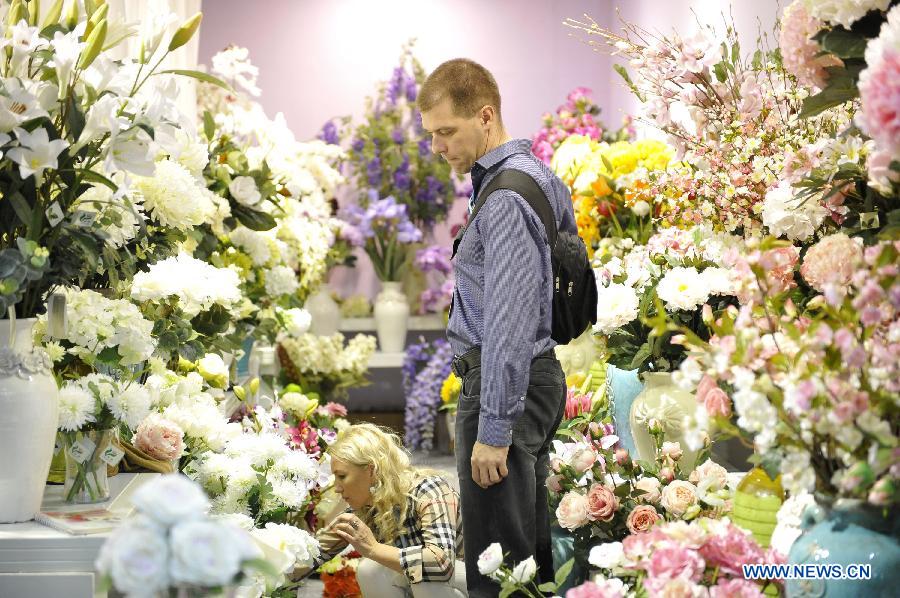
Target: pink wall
point(320, 58)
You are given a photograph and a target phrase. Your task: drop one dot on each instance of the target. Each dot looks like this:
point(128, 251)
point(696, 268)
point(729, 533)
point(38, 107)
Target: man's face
point(459, 140)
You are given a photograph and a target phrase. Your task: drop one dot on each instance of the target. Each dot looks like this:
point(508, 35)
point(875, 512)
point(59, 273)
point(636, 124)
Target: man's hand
point(489, 464)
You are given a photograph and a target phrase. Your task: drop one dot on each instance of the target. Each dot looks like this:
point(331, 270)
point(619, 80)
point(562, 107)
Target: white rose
point(171, 498)
point(213, 369)
point(711, 470)
point(607, 556)
point(650, 486)
point(208, 553)
point(678, 496)
point(244, 190)
point(641, 208)
point(135, 557)
point(491, 559)
point(524, 571)
point(572, 511)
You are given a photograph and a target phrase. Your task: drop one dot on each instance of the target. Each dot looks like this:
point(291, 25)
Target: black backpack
point(574, 285)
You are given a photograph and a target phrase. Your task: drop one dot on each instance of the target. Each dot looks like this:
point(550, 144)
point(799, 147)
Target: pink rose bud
point(554, 483)
point(622, 457)
point(666, 474)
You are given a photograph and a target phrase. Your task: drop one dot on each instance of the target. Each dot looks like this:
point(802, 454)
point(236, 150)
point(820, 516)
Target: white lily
point(102, 118)
point(25, 40)
point(105, 74)
point(153, 28)
point(36, 152)
point(66, 50)
point(20, 103)
point(131, 151)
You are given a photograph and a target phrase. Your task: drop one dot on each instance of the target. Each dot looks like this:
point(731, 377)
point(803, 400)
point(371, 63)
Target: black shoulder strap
point(527, 187)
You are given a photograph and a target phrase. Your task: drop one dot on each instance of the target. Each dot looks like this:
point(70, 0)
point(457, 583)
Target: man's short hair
point(469, 86)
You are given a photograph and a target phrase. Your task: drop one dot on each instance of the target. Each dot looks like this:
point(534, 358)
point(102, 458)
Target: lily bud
point(52, 17)
point(72, 16)
point(93, 45)
point(254, 386)
point(34, 12)
point(95, 19)
point(185, 32)
point(16, 13)
point(240, 393)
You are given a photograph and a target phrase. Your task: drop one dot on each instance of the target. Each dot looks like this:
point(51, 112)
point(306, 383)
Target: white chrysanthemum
point(288, 493)
point(197, 284)
point(184, 148)
point(174, 198)
point(117, 218)
point(843, 12)
point(259, 449)
point(131, 405)
point(76, 407)
point(222, 211)
point(788, 216)
point(299, 464)
point(280, 280)
point(683, 288)
point(617, 305)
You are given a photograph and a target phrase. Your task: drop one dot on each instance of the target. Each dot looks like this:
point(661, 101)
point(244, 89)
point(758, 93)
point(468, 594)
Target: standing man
point(513, 392)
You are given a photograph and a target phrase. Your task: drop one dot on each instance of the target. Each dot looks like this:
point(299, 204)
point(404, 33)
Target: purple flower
point(423, 391)
point(373, 170)
point(396, 85)
point(351, 234)
point(412, 90)
point(424, 147)
point(434, 258)
point(401, 180)
point(397, 136)
point(358, 144)
point(329, 133)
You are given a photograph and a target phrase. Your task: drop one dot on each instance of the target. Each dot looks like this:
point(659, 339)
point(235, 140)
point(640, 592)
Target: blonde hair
point(367, 445)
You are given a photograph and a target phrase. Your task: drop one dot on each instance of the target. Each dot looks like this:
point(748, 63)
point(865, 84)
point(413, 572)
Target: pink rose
point(553, 483)
point(641, 519)
point(602, 503)
point(713, 398)
point(159, 438)
point(572, 511)
point(671, 450)
point(335, 409)
point(666, 474)
point(606, 588)
point(678, 496)
point(651, 488)
point(671, 560)
point(674, 588)
point(710, 469)
point(730, 550)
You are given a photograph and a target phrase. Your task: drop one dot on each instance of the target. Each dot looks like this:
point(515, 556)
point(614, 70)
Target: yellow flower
point(450, 389)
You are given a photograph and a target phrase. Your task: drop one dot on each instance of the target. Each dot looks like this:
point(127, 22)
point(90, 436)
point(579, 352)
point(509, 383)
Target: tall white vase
point(29, 404)
point(391, 317)
point(661, 399)
point(325, 313)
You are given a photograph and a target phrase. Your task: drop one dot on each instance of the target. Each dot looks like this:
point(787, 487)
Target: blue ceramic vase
point(847, 532)
point(622, 386)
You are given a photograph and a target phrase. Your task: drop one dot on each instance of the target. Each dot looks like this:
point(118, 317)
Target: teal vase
point(847, 532)
point(563, 546)
point(622, 386)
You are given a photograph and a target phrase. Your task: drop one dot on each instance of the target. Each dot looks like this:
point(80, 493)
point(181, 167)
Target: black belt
point(471, 359)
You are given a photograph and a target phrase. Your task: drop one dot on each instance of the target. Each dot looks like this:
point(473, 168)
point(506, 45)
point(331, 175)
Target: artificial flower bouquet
point(426, 366)
point(390, 156)
point(388, 235)
point(579, 115)
point(676, 276)
point(312, 426)
point(434, 262)
point(339, 576)
point(78, 126)
point(611, 189)
point(325, 364)
point(810, 362)
point(172, 547)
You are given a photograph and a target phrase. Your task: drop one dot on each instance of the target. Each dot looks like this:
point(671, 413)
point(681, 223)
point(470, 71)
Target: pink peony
point(832, 260)
point(602, 504)
point(641, 519)
point(638, 547)
point(671, 560)
point(572, 511)
point(798, 51)
point(730, 550)
point(160, 438)
point(879, 87)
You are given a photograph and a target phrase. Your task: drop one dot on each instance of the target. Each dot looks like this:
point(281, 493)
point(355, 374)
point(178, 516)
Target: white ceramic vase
point(29, 403)
point(661, 399)
point(391, 317)
point(325, 313)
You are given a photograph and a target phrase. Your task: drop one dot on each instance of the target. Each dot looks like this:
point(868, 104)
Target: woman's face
point(352, 482)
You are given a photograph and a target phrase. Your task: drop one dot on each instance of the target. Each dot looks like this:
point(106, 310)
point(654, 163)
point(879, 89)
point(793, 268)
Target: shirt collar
point(494, 157)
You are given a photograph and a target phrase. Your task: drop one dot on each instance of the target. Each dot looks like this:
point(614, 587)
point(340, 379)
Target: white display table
point(39, 562)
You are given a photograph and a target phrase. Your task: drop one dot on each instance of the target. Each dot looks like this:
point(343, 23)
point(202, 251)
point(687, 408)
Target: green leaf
point(736, 52)
point(758, 60)
point(563, 572)
point(21, 207)
point(622, 490)
point(843, 44)
point(507, 590)
point(209, 125)
point(95, 177)
point(253, 219)
point(831, 96)
point(213, 321)
point(548, 587)
point(721, 73)
point(109, 355)
point(200, 75)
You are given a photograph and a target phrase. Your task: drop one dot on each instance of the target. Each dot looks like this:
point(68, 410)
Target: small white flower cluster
point(197, 285)
point(172, 542)
point(95, 323)
point(328, 355)
point(83, 402)
point(194, 410)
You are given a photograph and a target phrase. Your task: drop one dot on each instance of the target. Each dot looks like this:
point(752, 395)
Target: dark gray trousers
point(515, 511)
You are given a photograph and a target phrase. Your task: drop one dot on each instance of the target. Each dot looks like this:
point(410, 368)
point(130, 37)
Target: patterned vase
point(847, 532)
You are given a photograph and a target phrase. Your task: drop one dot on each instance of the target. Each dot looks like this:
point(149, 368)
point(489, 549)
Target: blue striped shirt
point(503, 296)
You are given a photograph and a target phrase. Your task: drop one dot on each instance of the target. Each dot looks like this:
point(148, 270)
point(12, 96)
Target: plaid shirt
point(430, 539)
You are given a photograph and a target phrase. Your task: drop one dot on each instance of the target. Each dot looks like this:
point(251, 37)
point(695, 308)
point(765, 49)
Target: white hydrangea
point(617, 305)
point(259, 449)
point(197, 284)
point(789, 518)
point(683, 288)
point(280, 280)
point(843, 12)
point(296, 320)
point(174, 198)
point(257, 244)
point(788, 216)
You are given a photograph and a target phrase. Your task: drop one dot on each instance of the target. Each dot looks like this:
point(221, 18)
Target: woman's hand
point(351, 528)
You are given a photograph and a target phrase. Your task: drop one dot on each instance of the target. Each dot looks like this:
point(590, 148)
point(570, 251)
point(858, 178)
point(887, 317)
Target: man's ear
point(487, 114)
